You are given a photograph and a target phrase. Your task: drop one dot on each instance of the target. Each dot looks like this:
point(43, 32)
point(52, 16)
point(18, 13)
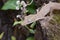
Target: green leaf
point(33, 24)
point(30, 38)
point(10, 4)
point(32, 31)
point(1, 35)
point(31, 8)
point(13, 38)
point(17, 22)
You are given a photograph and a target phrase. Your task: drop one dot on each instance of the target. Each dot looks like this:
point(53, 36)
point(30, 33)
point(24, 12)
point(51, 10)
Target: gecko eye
point(18, 17)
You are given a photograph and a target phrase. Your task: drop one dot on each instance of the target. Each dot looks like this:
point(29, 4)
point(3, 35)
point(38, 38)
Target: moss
point(57, 16)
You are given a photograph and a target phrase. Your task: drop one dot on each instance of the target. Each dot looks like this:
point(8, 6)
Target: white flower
point(23, 3)
point(18, 2)
point(17, 7)
point(24, 9)
point(21, 8)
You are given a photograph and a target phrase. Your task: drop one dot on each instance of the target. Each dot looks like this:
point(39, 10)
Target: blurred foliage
point(10, 4)
point(13, 38)
point(31, 8)
point(32, 25)
point(30, 38)
point(54, 26)
point(1, 35)
point(17, 22)
point(57, 16)
point(32, 31)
